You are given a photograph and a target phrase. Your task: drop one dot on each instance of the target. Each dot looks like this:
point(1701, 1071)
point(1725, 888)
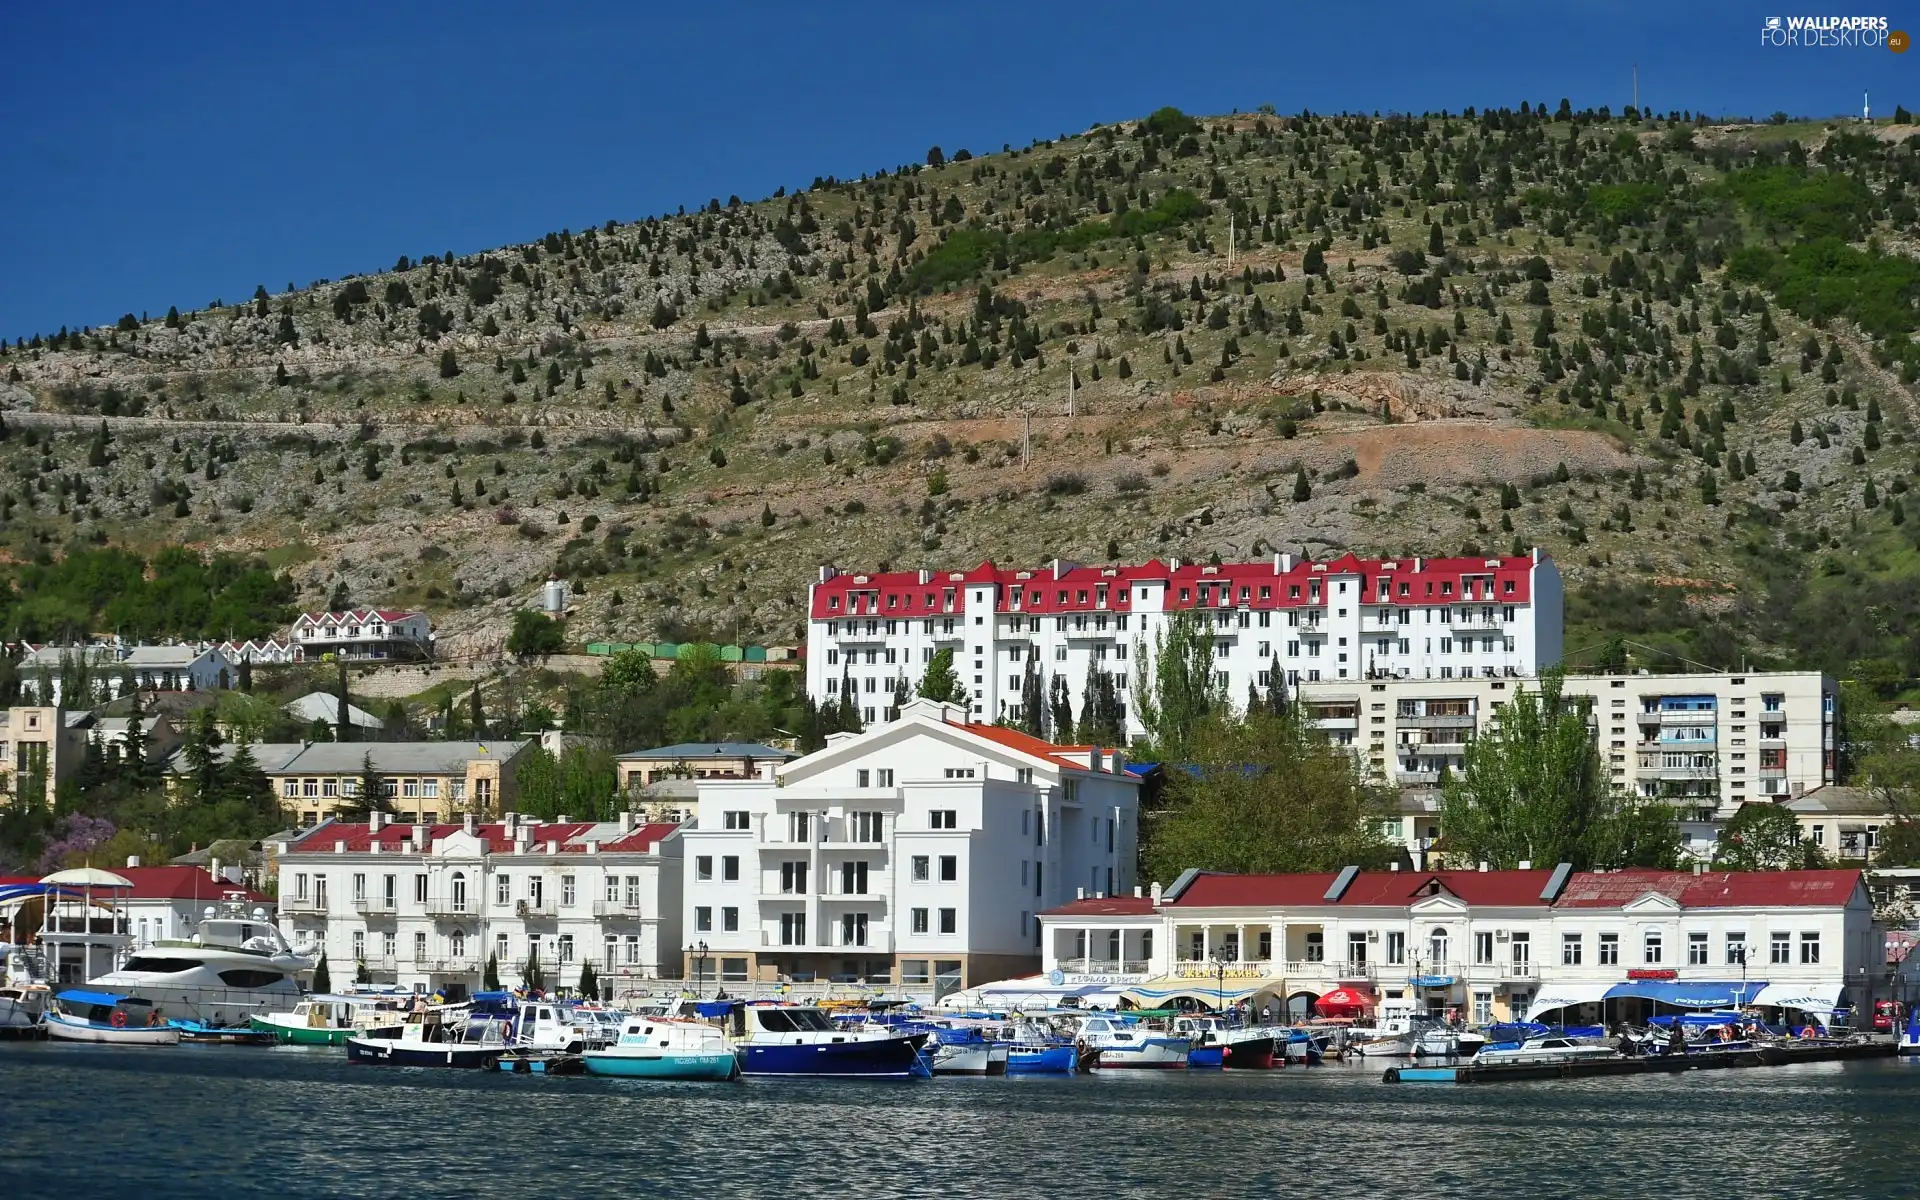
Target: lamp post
point(1742, 953)
point(698, 952)
point(1220, 960)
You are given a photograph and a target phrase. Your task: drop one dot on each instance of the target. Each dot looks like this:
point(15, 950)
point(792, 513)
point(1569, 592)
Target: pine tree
point(1276, 688)
point(941, 682)
point(322, 978)
point(1302, 490)
point(1033, 703)
point(1061, 716)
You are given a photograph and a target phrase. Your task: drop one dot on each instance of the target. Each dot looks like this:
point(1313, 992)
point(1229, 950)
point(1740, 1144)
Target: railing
point(304, 906)
point(1103, 966)
point(446, 906)
point(535, 910)
point(1437, 721)
point(374, 906)
point(614, 908)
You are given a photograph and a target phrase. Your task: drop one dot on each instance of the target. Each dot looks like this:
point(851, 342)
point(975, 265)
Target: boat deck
point(1660, 1064)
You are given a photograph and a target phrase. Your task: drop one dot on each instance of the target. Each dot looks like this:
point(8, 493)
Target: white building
point(1346, 619)
point(424, 906)
point(1706, 742)
point(367, 633)
point(916, 853)
point(170, 668)
point(1495, 945)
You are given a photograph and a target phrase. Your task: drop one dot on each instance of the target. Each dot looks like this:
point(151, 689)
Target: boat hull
point(717, 1066)
point(878, 1058)
point(1207, 1058)
point(212, 1035)
point(1251, 1054)
point(300, 1035)
point(1044, 1060)
point(1155, 1054)
point(969, 1058)
point(393, 1052)
point(68, 1030)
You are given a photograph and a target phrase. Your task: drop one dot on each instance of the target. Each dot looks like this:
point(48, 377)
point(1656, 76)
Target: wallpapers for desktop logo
point(1867, 33)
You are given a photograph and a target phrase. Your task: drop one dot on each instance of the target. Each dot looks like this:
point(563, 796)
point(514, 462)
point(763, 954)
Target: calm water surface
point(83, 1121)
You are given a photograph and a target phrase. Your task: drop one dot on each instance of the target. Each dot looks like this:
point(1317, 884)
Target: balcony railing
point(304, 906)
point(447, 906)
point(535, 910)
point(1104, 966)
point(614, 908)
point(1206, 968)
point(374, 906)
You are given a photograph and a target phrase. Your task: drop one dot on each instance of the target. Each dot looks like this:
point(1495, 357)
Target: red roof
point(571, 837)
point(1714, 889)
point(1025, 743)
point(1392, 889)
point(359, 614)
point(181, 883)
point(1104, 906)
point(1269, 584)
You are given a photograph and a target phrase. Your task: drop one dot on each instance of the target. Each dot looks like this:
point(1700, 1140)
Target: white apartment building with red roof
point(1343, 619)
point(363, 633)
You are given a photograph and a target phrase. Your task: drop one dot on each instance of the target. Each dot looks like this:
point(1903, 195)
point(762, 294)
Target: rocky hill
point(1672, 353)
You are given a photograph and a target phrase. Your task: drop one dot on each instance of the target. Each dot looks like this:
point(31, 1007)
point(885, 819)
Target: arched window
point(1437, 947)
point(457, 942)
point(459, 891)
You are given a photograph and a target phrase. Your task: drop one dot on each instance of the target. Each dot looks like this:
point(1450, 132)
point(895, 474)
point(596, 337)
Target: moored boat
point(428, 1040)
point(1549, 1049)
point(796, 1040)
point(22, 1009)
point(1218, 1044)
point(201, 1033)
point(1124, 1045)
point(965, 1050)
point(1910, 1038)
point(330, 1020)
point(79, 1015)
point(666, 1048)
point(233, 966)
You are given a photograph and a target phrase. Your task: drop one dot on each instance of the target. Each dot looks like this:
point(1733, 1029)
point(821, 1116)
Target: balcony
point(1409, 777)
point(535, 910)
point(447, 906)
point(1689, 716)
point(1104, 966)
point(305, 906)
point(1206, 968)
point(374, 906)
point(615, 910)
point(1437, 721)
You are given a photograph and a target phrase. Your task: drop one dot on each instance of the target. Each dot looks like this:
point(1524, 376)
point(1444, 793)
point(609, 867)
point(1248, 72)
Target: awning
point(82, 996)
point(1566, 995)
point(1214, 993)
point(1345, 999)
point(1820, 998)
point(1690, 994)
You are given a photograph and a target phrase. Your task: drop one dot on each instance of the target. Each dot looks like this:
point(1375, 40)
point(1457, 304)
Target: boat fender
point(119, 1019)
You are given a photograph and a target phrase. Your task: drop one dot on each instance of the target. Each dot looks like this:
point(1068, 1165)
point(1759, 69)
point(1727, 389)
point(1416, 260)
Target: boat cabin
point(108, 1008)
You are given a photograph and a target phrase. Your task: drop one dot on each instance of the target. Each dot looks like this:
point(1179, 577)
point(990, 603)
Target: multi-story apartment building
point(1706, 742)
point(916, 853)
point(366, 633)
point(423, 782)
point(1491, 944)
point(425, 906)
point(1344, 619)
point(39, 746)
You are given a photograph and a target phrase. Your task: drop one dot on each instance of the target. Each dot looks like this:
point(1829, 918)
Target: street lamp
point(698, 952)
point(1741, 953)
point(1220, 960)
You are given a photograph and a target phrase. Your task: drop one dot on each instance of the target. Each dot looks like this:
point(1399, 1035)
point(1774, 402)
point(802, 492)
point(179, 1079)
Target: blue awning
point(1689, 994)
point(717, 1008)
point(82, 996)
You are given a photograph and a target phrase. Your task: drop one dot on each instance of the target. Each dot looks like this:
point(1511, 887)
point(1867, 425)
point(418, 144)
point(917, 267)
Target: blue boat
point(1042, 1058)
point(1207, 1057)
point(224, 1035)
point(795, 1040)
point(1910, 1039)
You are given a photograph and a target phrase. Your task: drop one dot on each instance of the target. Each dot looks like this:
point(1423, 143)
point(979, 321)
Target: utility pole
point(1026, 440)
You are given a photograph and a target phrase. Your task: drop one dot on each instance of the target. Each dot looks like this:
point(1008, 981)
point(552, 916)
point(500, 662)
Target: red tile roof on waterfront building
point(1104, 906)
point(1025, 743)
point(570, 837)
point(182, 883)
point(358, 614)
point(644, 838)
point(1279, 582)
point(1712, 889)
point(1517, 889)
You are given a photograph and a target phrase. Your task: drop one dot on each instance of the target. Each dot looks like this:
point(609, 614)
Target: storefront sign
point(1202, 970)
point(1653, 973)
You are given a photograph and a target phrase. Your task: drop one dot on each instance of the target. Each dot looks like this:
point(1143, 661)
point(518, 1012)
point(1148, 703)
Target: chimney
point(626, 821)
point(1699, 868)
point(340, 846)
point(1079, 893)
point(420, 838)
point(563, 819)
point(213, 869)
point(469, 824)
point(1394, 865)
point(133, 860)
point(1526, 864)
point(1155, 893)
point(593, 847)
point(1136, 891)
point(1483, 866)
point(374, 821)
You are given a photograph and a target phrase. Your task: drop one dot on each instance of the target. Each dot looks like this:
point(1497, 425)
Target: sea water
point(87, 1121)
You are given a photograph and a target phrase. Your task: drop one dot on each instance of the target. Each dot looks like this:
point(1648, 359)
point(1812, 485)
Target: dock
point(1658, 1064)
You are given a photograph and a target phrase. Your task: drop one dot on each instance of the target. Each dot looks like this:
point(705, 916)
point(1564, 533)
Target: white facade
point(1487, 943)
point(916, 853)
point(362, 634)
point(1346, 619)
point(424, 906)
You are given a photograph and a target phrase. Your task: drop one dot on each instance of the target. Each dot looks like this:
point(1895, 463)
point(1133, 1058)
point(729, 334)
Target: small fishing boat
point(1442, 1042)
point(201, 1033)
point(429, 1040)
point(965, 1050)
point(665, 1048)
point(1218, 1044)
point(800, 1040)
point(1550, 1049)
point(1043, 1058)
point(22, 1009)
point(1124, 1045)
point(109, 1018)
point(519, 1060)
point(330, 1020)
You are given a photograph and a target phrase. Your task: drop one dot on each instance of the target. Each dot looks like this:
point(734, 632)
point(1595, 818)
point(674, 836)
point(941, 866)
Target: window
point(613, 889)
point(1570, 949)
point(1651, 948)
point(730, 868)
point(1780, 948)
point(1396, 948)
point(944, 818)
point(884, 777)
point(799, 827)
point(863, 778)
point(949, 868)
point(950, 921)
point(853, 878)
point(918, 868)
point(1809, 948)
point(1483, 947)
point(1609, 949)
point(1356, 949)
point(867, 827)
point(419, 947)
point(793, 878)
point(919, 920)
point(703, 919)
point(730, 919)
point(1736, 949)
point(1316, 946)
point(359, 945)
point(793, 929)
point(853, 929)
point(536, 891)
point(631, 950)
point(502, 888)
point(1483, 1008)
point(735, 819)
point(566, 947)
point(703, 866)
point(1697, 949)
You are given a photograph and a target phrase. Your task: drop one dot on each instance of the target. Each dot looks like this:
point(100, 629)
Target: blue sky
point(160, 155)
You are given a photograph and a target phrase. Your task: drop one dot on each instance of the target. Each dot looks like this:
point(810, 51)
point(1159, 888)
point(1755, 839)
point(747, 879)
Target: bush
point(1066, 484)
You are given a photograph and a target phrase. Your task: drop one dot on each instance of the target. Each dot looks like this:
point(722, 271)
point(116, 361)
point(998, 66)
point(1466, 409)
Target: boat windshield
point(793, 1020)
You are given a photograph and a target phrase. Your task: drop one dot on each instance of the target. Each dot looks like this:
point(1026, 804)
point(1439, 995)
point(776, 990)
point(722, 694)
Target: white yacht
point(1553, 1049)
point(233, 967)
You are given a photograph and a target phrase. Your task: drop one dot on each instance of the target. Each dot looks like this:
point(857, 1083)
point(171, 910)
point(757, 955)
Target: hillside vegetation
point(1677, 355)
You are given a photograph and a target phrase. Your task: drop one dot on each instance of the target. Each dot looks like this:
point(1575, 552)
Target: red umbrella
point(1345, 1000)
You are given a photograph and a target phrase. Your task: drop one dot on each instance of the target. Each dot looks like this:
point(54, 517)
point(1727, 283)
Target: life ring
point(119, 1019)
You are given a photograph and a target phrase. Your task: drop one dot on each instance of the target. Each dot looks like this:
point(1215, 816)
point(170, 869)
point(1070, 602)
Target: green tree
point(1059, 710)
point(1763, 836)
point(941, 682)
point(1033, 703)
point(531, 973)
point(1302, 490)
point(490, 976)
point(1180, 690)
point(589, 981)
point(449, 365)
point(534, 634)
point(1267, 794)
point(322, 978)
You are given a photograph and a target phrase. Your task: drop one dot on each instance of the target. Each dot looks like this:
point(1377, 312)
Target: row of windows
point(1220, 593)
point(409, 788)
point(1653, 948)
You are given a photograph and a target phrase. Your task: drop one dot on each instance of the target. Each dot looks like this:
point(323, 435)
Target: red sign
point(1653, 973)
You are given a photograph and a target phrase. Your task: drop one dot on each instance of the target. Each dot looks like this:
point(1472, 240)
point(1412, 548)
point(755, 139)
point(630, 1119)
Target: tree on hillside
point(941, 682)
point(1763, 836)
point(1181, 689)
point(1269, 793)
point(1534, 789)
point(535, 634)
